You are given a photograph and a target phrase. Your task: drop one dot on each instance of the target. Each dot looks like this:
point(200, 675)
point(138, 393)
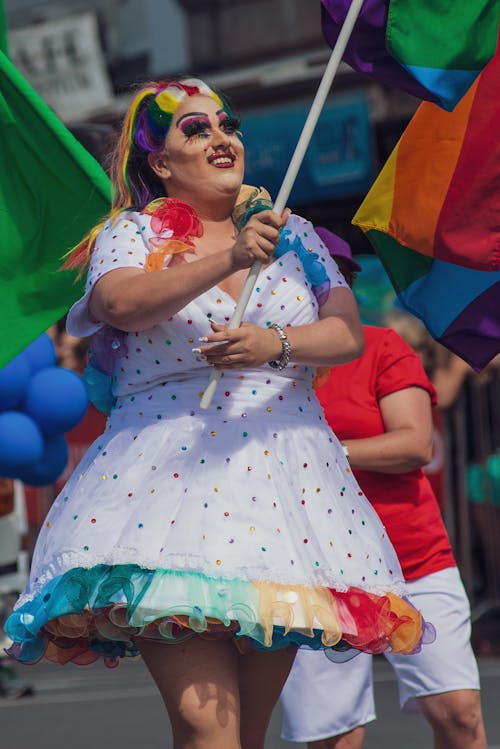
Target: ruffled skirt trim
point(103, 611)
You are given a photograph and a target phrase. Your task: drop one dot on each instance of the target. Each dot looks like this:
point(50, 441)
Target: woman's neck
point(214, 210)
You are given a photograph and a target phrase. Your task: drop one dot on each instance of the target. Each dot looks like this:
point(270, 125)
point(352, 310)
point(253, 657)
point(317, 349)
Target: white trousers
point(322, 699)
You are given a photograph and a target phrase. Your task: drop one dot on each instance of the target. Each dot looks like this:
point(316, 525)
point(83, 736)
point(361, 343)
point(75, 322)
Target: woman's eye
point(196, 129)
point(231, 125)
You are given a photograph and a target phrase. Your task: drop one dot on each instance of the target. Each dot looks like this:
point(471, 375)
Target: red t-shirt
point(405, 502)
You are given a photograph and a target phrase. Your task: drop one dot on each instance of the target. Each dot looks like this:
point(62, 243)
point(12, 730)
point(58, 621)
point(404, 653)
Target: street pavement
point(80, 707)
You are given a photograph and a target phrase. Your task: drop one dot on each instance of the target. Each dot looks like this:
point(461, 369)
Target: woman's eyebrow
point(191, 114)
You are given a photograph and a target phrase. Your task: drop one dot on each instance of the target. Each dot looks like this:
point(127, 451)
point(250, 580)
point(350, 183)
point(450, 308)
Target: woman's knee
point(457, 711)
point(206, 714)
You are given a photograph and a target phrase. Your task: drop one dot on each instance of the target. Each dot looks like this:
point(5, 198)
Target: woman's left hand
point(241, 348)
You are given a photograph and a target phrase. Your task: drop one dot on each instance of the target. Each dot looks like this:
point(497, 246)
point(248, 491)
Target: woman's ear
point(159, 164)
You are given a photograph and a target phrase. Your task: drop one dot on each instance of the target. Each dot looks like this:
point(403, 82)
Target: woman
point(209, 528)
point(380, 406)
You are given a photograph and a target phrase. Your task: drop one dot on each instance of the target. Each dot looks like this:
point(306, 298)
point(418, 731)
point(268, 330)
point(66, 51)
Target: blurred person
point(212, 542)
point(71, 351)
point(475, 397)
point(97, 138)
point(380, 408)
point(12, 576)
point(447, 371)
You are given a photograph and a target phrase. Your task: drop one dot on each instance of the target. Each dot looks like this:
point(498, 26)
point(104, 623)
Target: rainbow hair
point(145, 128)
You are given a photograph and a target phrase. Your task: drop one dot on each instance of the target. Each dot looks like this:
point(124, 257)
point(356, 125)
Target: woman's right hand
point(258, 238)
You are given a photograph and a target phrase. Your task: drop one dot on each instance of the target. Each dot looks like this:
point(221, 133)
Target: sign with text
point(339, 161)
point(64, 63)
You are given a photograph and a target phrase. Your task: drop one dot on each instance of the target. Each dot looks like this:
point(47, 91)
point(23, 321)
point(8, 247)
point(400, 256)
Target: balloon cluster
point(39, 402)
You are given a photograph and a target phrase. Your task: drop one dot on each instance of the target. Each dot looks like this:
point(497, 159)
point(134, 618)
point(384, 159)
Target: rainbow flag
point(433, 49)
point(433, 218)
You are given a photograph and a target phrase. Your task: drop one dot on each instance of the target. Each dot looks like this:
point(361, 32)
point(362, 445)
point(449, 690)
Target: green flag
point(52, 191)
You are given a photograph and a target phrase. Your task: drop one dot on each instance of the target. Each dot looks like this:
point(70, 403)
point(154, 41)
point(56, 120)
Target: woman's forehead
point(197, 104)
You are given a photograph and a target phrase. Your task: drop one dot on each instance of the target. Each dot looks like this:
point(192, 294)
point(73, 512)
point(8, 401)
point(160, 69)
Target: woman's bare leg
point(198, 681)
point(455, 718)
point(262, 676)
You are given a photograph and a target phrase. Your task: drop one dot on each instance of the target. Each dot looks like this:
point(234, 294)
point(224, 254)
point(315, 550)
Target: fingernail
point(196, 350)
point(203, 339)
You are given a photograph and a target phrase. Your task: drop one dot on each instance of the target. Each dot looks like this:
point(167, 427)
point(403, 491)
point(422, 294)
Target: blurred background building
point(268, 56)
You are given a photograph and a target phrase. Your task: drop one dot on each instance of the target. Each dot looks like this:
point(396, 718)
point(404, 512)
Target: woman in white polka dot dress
point(237, 525)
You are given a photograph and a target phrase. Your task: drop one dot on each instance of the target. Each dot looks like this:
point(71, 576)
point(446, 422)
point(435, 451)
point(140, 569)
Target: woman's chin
point(229, 182)
point(228, 188)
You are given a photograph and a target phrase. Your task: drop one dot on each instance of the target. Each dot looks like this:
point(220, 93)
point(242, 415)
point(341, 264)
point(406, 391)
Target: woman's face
point(203, 155)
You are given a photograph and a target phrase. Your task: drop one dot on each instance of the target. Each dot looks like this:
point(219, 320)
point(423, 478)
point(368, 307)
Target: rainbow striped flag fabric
point(433, 49)
point(433, 218)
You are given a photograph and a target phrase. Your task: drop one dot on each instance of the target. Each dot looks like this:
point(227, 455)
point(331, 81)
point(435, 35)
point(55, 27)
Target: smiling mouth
point(221, 160)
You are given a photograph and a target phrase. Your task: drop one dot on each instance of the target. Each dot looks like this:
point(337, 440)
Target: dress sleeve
point(122, 244)
point(320, 268)
point(399, 367)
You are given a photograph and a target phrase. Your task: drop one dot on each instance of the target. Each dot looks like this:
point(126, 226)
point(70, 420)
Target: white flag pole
point(292, 171)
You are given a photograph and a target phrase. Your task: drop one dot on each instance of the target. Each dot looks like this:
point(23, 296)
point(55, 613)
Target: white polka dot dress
point(243, 519)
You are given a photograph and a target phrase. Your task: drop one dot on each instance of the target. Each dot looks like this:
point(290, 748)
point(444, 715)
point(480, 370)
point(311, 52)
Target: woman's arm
point(407, 441)
point(336, 338)
point(132, 299)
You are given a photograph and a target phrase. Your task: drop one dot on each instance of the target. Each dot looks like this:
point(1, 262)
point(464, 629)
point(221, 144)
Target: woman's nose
point(220, 137)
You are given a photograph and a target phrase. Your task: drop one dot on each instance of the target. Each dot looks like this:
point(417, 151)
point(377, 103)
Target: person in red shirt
point(379, 406)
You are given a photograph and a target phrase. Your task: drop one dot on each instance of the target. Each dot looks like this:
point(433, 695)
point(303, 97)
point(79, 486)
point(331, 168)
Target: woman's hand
point(241, 348)
point(258, 238)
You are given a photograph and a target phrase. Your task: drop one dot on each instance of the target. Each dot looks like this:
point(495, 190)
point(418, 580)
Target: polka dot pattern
point(256, 487)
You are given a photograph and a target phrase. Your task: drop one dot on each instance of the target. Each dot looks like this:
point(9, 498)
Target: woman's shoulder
point(321, 271)
point(387, 348)
point(164, 214)
point(122, 220)
point(151, 234)
point(385, 337)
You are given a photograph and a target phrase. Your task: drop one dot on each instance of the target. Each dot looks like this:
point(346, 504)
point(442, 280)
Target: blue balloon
point(56, 399)
point(14, 378)
point(21, 442)
point(51, 464)
point(41, 353)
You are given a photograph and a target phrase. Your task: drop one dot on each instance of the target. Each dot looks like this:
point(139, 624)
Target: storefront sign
point(64, 63)
point(339, 161)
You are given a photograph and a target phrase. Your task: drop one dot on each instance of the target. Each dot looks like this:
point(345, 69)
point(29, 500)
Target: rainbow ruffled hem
point(85, 614)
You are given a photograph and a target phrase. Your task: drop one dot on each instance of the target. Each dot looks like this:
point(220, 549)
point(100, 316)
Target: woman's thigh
point(262, 676)
point(198, 681)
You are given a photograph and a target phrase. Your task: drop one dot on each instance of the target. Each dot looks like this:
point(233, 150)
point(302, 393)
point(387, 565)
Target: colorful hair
point(145, 128)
